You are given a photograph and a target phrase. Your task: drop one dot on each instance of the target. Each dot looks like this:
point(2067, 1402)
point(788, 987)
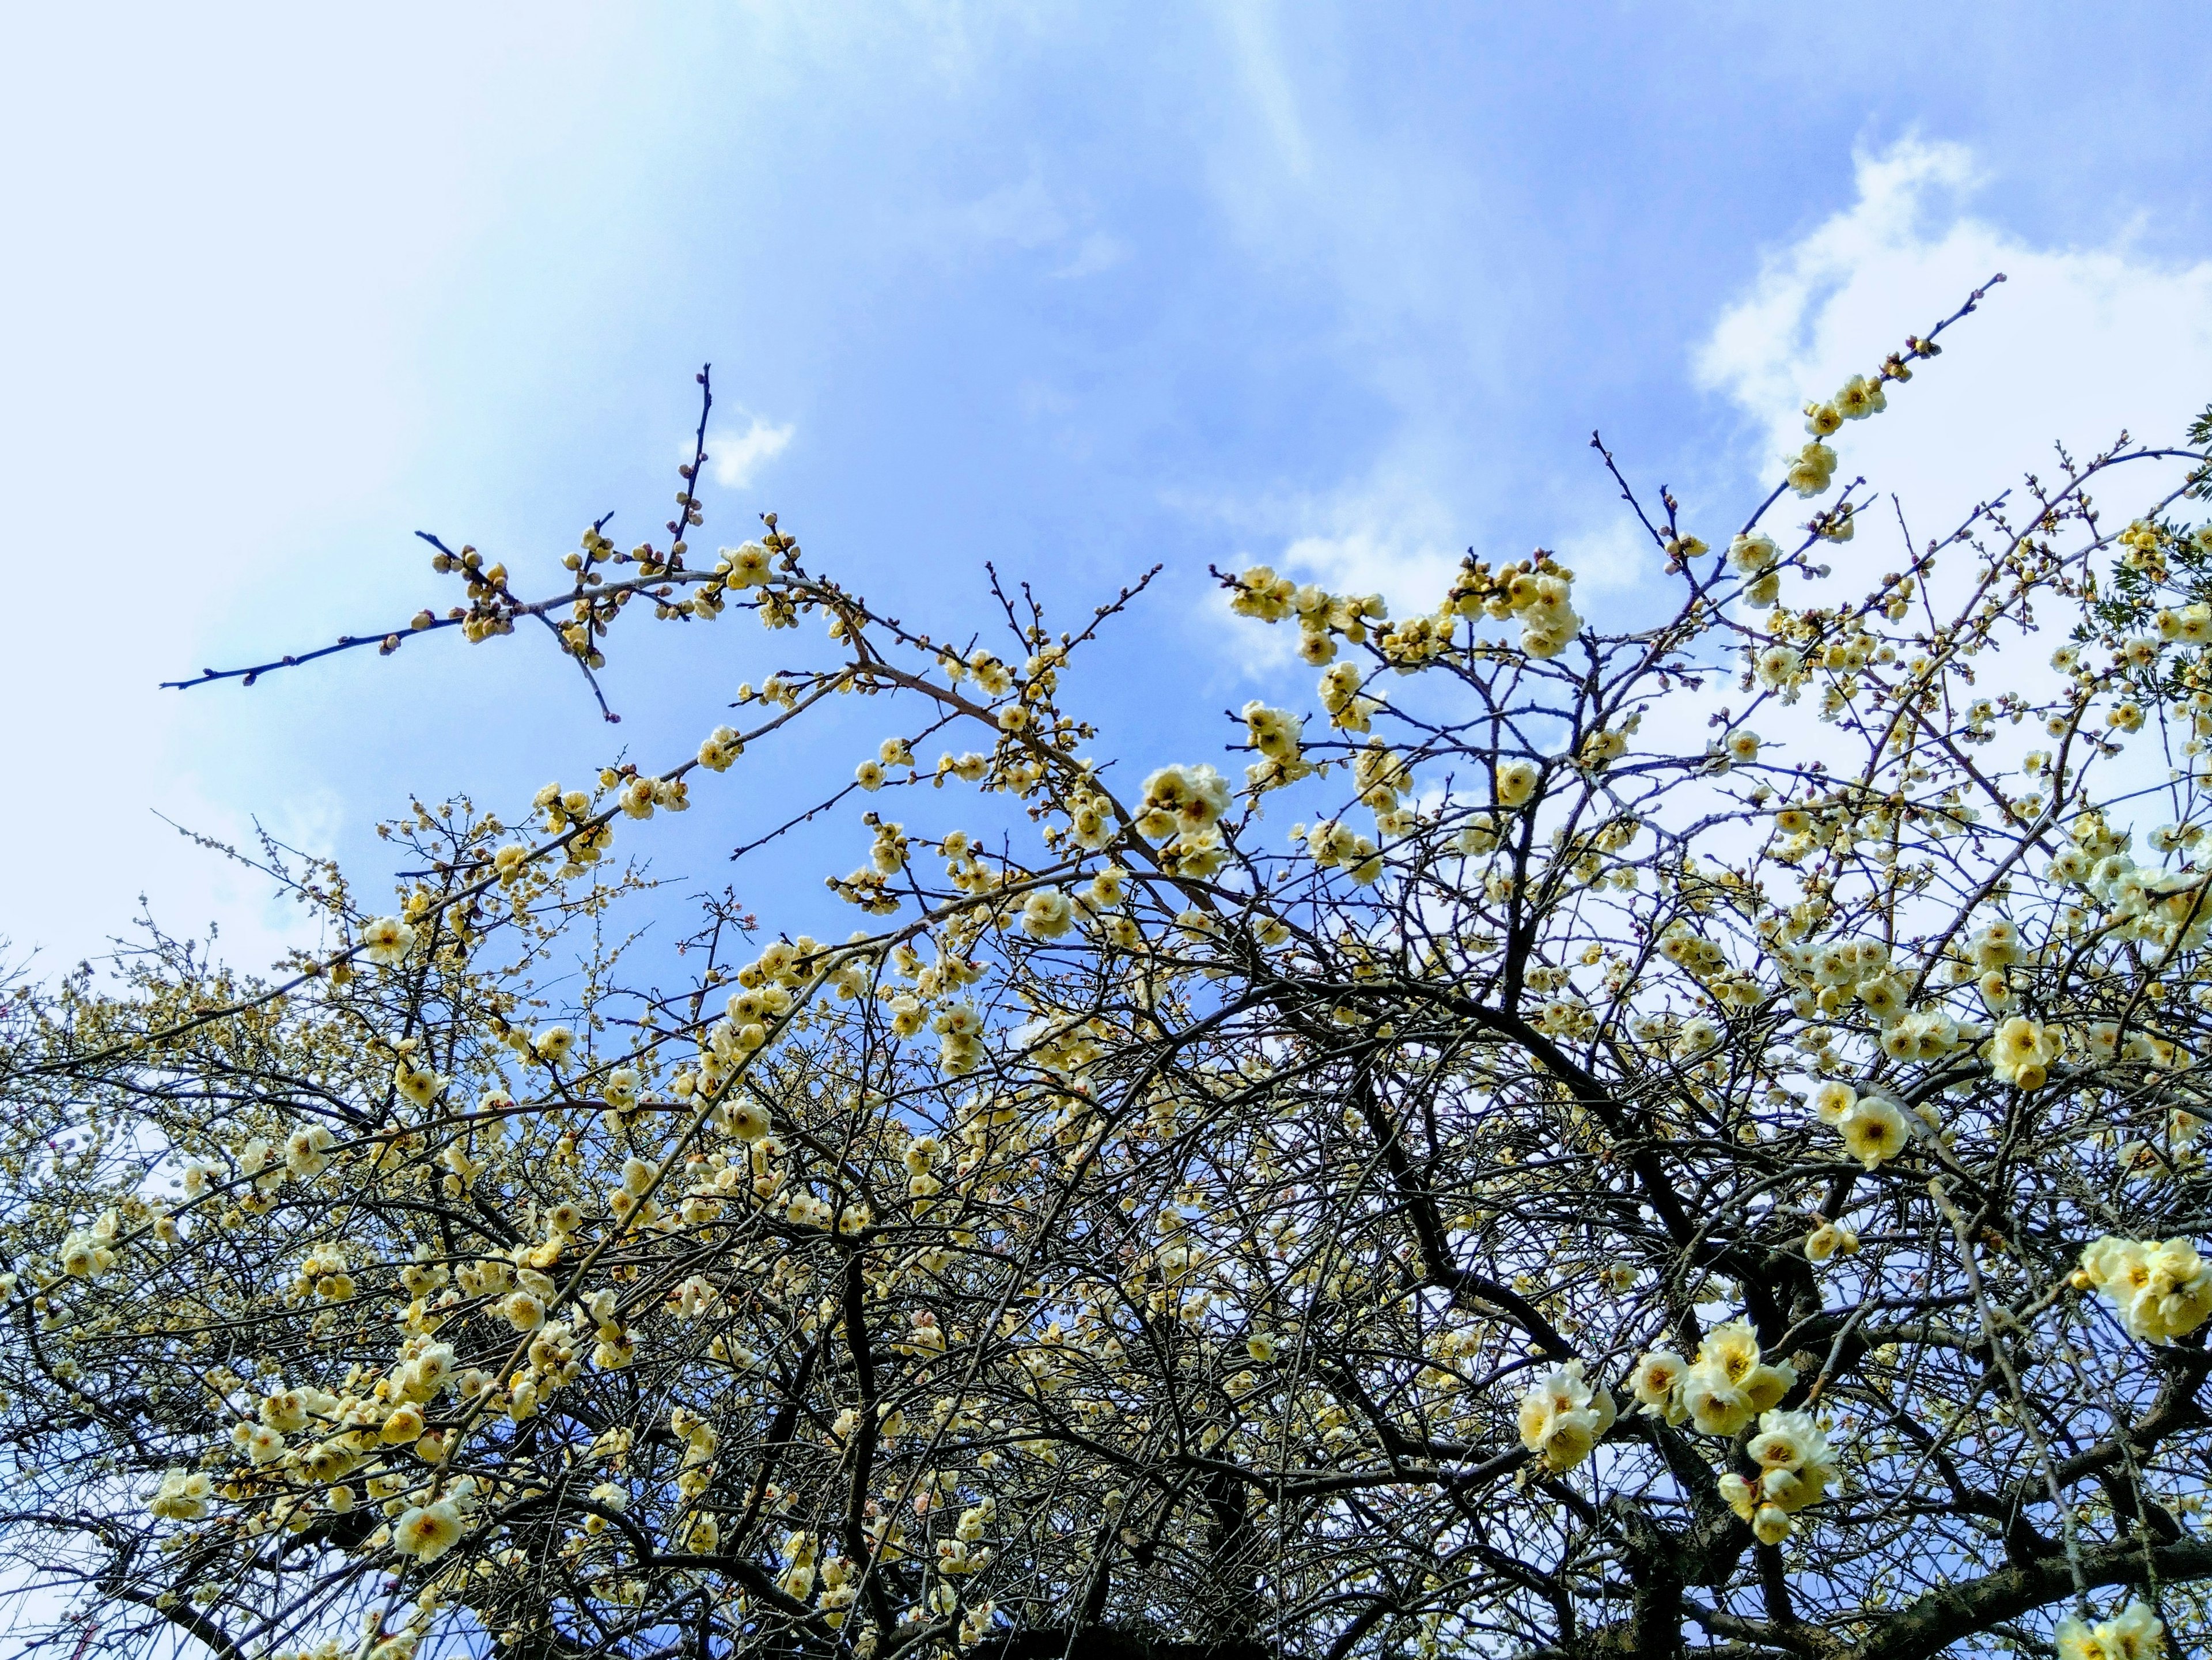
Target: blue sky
point(1074, 289)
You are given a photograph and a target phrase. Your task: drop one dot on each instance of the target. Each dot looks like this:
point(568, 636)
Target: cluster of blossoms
point(184, 1496)
point(1562, 1418)
point(1323, 618)
point(88, 1253)
point(1536, 593)
point(1795, 1470)
point(1722, 1391)
point(2022, 1052)
point(1563, 1415)
point(2137, 1633)
point(2161, 1290)
point(1181, 809)
point(1755, 557)
point(1277, 734)
point(1812, 468)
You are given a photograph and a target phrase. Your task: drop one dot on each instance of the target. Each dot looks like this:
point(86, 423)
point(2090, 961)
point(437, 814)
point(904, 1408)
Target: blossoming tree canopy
point(1572, 1139)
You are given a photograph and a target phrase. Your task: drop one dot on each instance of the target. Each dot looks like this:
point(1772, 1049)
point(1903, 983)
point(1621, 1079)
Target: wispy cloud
point(1032, 216)
point(736, 456)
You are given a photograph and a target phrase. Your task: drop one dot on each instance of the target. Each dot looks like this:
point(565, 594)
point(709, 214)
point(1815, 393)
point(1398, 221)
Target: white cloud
point(1033, 217)
point(1388, 536)
point(737, 456)
point(1389, 533)
point(188, 888)
point(1260, 61)
point(2077, 345)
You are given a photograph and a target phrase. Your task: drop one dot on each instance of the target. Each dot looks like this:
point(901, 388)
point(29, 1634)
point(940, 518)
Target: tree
point(1606, 1184)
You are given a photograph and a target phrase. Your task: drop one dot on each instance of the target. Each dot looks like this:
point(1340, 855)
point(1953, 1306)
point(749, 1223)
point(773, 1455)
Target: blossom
point(1698, 1035)
point(404, 1424)
point(1754, 553)
point(1656, 1383)
point(184, 1495)
point(1516, 782)
point(418, 1084)
point(1332, 842)
point(1562, 1416)
point(1830, 1239)
point(1861, 396)
point(748, 566)
point(1779, 667)
point(2021, 1053)
point(1872, 1130)
point(307, 1152)
point(554, 1044)
point(425, 1532)
point(1047, 914)
point(719, 748)
point(1811, 470)
point(1832, 1100)
point(1883, 997)
point(386, 941)
point(522, 1311)
point(1739, 1495)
